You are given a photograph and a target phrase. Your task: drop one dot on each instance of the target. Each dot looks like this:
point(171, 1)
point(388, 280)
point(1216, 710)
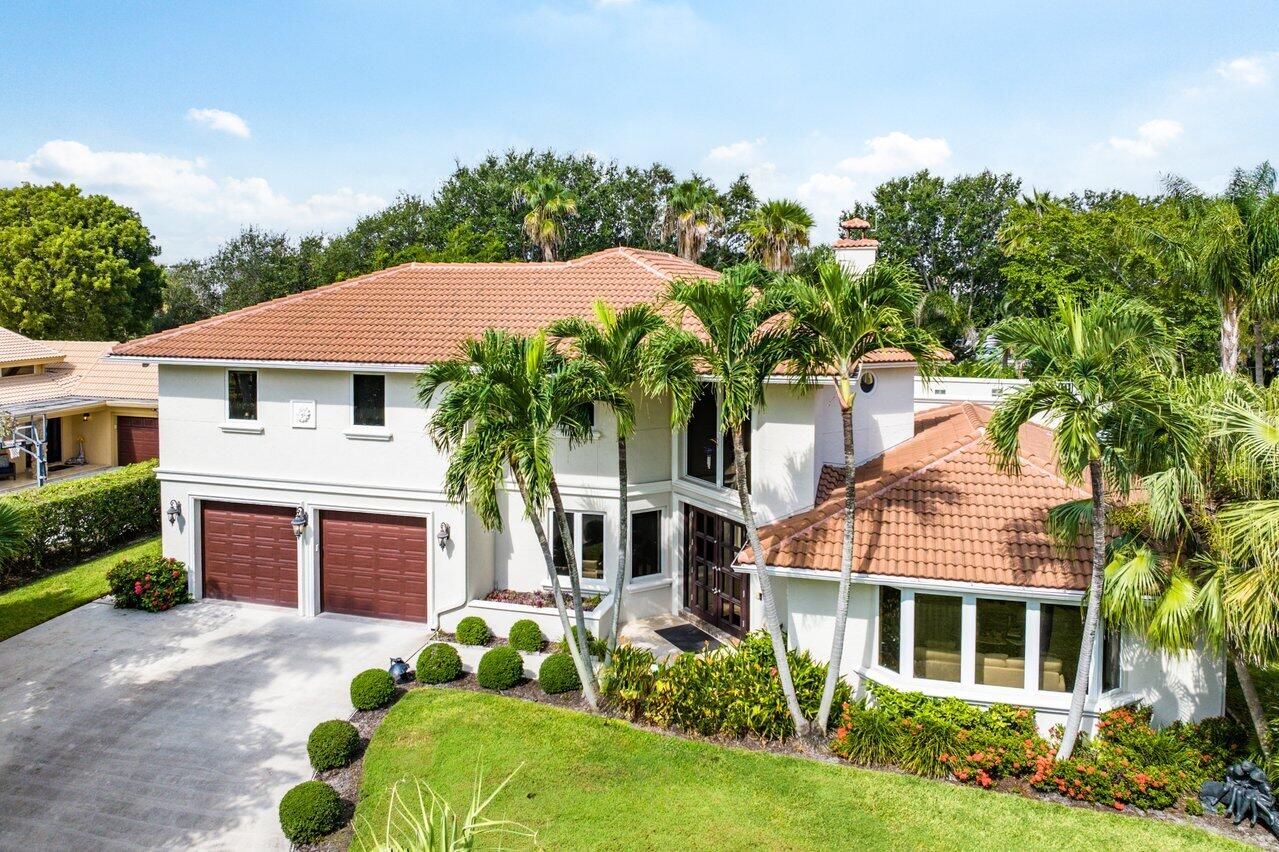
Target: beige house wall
point(98, 432)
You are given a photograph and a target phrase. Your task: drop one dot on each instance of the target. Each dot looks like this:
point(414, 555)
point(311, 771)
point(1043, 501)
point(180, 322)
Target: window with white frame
point(708, 447)
point(587, 531)
point(646, 543)
point(242, 394)
point(368, 399)
point(987, 641)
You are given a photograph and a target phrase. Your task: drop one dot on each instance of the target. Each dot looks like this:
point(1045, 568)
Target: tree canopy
point(74, 266)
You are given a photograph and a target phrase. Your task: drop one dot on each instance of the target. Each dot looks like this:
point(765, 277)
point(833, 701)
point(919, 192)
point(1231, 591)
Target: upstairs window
point(708, 448)
point(369, 400)
point(242, 394)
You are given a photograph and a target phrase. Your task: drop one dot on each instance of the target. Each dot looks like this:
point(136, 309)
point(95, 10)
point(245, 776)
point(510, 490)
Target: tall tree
point(501, 404)
point(1253, 194)
point(549, 205)
point(1097, 373)
point(616, 342)
point(74, 266)
point(774, 230)
point(837, 320)
point(693, 212)
point(740, 346)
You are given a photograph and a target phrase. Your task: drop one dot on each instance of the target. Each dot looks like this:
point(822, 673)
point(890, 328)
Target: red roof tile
point(854, 223)
point(936, 507)
point(864, 242)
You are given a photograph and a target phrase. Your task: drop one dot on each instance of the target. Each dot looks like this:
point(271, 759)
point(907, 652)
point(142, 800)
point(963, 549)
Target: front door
point(713, 591)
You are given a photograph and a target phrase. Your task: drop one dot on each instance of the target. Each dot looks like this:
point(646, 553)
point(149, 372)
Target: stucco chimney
point(856, 249)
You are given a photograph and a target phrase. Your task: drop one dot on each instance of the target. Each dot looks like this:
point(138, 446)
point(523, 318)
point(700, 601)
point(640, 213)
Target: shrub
point(868, 736)
point(628, 679)
point(473, 631)
point(558, 674)
point(438, 663)
point(926, 741)
point(309, 811)
point(525, 635)
point(595, 647)
point(371, 689)
point(73, 519)
point(151, 583)
point(332, 745)
point(500, 668)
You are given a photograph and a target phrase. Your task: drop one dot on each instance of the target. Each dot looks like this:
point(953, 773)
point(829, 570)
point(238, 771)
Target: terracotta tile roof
point(936, 507)
point(855, 222)
point(863, 242)
point(419, 313)
point(16, 349)
point(83, 374)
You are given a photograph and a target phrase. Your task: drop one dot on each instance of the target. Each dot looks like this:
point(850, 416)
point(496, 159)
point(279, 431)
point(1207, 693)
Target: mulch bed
point(347, 780)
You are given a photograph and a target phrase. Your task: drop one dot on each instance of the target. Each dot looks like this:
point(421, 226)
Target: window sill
point(367, 433)
point(242, 427)
point(644, 584)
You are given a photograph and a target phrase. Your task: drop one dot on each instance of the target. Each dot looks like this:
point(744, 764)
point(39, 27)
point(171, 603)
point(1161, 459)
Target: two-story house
point(296, 472)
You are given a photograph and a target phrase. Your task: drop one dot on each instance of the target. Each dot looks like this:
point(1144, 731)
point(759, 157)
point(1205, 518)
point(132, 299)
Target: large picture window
point(708, 449)
point(938, 627)
point(646, 543)
point(890, 628)
point(587, 531)
point(369, 400)
point(1061, 628)
point(242, 394)
point(1001, 643)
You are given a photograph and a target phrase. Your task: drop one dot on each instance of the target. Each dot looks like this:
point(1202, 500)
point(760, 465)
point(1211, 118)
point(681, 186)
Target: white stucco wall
point(882, 419)
point(947, 390)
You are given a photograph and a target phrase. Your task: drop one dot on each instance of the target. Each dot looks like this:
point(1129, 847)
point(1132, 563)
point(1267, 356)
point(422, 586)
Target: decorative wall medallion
point(303, 414)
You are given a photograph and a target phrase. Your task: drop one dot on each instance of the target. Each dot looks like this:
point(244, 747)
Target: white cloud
point(735, 152)
point(826, 195)
point(179, 195)
point(1248, 70)
point(898, 152)
point(1152, 137)
point(219, 120)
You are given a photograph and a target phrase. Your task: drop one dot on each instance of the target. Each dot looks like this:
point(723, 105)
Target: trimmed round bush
point(500, 668)
point(371, 689)
point(309, 811)
point(438, 663)
point(526, 636)
point(332, 745)
point(473, 631)
point(558, 674)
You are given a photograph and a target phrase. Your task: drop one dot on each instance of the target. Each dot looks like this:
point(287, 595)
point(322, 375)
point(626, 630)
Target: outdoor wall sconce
point(299, 523)
point(174, 512)
point(443, 535)
point(86, 417)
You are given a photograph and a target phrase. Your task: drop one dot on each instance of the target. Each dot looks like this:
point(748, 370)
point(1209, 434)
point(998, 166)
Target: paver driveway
point(127, 730)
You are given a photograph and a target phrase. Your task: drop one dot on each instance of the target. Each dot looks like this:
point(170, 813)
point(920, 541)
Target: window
point(708, 450)
point(1061, 627)
point(866, 382)
point(25, 370)
point(587, 532)
point(937, 636)
point(1001, 643)
point(369, 400)
point(646, 544)
point(242, 394)
point(1110, 660)
point(890, 628)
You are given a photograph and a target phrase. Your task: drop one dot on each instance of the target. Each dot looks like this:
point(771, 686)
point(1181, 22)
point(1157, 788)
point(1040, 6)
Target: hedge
point(74, 519)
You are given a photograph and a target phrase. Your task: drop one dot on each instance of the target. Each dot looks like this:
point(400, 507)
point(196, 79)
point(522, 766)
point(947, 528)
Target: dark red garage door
point(248, 553)
point(138, 439)
point(373, 565)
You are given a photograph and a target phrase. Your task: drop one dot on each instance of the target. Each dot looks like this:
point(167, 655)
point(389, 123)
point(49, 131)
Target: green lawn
point(26, 606)
point(594, 783)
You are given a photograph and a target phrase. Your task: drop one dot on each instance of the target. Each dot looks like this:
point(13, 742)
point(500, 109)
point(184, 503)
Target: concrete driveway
point(128, 730)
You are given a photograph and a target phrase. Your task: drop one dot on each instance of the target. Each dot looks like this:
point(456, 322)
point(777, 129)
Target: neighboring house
point(296, 471)
point(94, 413)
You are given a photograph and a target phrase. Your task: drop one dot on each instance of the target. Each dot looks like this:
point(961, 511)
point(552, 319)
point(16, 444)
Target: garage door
point(373, 565)
point(137, 438)
point(248, 553)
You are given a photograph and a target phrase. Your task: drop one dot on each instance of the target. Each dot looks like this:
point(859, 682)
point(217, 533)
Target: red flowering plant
point(152, 583)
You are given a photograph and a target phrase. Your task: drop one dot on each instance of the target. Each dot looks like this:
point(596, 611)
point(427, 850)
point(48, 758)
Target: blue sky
point(303, 115)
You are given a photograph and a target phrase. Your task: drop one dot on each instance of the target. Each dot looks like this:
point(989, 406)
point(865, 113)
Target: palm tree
point(502, 402)
point(838, 320)
point(1175, 578)
point(740, 345)
point(1228, 247)
point(773, 230)
point(548, 205)
point(693, 211)
point(1095, 373)
point(615, 341)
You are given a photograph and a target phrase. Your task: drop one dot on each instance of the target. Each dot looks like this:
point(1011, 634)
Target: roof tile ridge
point(944, 455)
point(1032, 461)
point(252, 310)
point(629, 254)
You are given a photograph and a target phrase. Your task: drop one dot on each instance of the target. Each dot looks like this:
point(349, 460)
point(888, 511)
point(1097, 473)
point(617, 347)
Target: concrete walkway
point(643, 634)
point(127, 730)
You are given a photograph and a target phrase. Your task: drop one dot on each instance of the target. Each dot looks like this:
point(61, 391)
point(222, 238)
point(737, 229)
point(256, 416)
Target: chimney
point(856, 248)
